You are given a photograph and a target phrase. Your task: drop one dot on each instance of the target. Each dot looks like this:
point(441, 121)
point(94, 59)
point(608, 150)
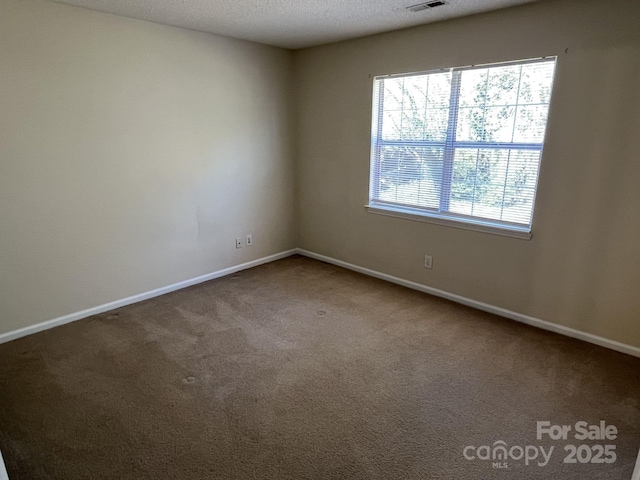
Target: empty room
point(349, 240)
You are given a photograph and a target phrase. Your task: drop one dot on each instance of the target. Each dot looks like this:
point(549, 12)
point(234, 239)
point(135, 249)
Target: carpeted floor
point(302, 370)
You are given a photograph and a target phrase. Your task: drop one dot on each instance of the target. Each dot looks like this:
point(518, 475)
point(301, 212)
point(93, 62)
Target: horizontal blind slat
point(501, 114)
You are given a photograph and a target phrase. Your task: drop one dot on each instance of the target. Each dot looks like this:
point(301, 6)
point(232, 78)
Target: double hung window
point(461, 146)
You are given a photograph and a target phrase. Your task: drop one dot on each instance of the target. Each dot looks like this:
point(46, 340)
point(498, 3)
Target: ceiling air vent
point(426, 6)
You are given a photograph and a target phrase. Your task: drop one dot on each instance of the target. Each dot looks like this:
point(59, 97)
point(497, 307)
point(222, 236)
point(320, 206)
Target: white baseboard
point(536, 322)
point(72, 317)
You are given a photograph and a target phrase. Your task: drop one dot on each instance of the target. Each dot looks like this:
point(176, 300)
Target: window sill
point(450, 221)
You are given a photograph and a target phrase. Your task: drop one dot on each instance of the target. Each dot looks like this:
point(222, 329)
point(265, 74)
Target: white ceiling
point(290, 23)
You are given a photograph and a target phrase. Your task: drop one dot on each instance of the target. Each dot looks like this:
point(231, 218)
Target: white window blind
point(462, 144)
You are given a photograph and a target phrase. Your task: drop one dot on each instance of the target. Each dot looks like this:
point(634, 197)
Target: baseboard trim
point(72, 317)
point(535, 322)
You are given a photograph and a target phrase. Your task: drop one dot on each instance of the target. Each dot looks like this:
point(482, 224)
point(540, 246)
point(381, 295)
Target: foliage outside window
point(462, 144)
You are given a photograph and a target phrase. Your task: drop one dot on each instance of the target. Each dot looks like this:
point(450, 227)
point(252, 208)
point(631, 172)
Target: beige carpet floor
point(302, 370)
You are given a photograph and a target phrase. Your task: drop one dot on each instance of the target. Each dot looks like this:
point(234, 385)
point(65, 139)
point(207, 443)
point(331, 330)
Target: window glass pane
point(498, 126)
point(504, 104)
point(410, 175)
point(416, 108)
point(502, 85)
point(437, 120)
point(520, 187)
point(531, 123)
point(536, 82)
point(439, 90)
point(470, 124)
point(414, 126)
point(489, 124)
point(497, 184)
point(473, 87)
point(393, 93)
point(478, 181)
point(392, 125)
point(415, 92)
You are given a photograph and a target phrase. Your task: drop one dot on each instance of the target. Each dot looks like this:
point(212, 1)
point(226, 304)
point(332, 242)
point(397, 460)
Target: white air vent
point(426, 6)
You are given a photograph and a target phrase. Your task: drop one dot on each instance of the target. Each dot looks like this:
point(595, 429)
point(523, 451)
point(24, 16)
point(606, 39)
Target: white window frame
point(442, 215)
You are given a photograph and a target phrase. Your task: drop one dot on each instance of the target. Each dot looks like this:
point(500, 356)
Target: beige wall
point(582, 267)
point(131, 156)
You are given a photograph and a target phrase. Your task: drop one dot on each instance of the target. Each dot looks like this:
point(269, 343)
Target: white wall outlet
point(239, 242)
point(428, 261)
point(249, 241)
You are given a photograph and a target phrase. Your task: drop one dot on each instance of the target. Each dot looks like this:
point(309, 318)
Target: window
point(461, 146)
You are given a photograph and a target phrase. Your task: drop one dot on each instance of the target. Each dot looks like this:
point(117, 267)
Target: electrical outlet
point(249, 241)
point(428, 261)
point(239, 242)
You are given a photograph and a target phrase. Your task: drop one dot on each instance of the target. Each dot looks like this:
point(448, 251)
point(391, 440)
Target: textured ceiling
point(290, 23)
